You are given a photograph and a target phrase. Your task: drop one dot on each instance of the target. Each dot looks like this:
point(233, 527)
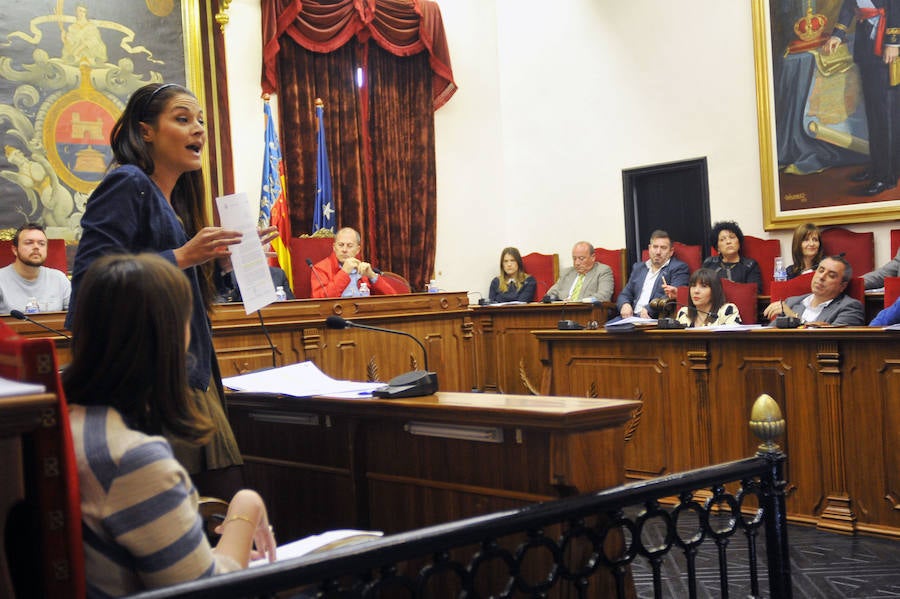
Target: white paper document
point(299, 380)
point(251, 268)
point(331, 539)
point(9, 388)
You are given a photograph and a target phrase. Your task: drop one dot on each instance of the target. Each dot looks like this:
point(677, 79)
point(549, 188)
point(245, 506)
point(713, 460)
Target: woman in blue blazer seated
point(513, 284)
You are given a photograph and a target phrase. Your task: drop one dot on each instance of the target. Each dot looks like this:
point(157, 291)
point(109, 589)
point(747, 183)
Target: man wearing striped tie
point(588, 280)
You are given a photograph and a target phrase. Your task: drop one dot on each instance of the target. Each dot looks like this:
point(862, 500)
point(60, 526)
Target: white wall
point(554, 102)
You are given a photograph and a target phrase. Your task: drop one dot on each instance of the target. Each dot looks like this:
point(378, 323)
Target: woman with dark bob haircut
point(707, 305)
point(126, 385)
point(513, 284)
point(727, 238)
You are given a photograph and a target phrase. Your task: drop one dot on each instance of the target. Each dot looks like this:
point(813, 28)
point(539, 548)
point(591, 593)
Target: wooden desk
point(838, 390)
point(401, 464)
point(442, 321)
point(507, 358)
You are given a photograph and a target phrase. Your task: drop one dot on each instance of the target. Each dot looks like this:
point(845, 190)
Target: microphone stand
point(415, 383)
point(309, 263)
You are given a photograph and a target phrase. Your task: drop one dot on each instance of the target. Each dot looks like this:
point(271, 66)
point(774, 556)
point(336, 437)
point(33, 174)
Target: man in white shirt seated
point(827, 304)
point(26, 284)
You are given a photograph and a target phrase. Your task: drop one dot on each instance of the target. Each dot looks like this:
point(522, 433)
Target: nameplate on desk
point(303, 418)
point(485, 434)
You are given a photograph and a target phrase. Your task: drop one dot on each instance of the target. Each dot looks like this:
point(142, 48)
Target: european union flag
point(323, 217)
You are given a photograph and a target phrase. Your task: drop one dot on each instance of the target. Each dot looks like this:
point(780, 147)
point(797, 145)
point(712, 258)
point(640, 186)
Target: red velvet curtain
point(380, 135)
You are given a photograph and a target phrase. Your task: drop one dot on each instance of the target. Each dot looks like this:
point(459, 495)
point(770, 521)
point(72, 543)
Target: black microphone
point(410, 384)
point(22, 316)
point(567, 325)
point(310, 265)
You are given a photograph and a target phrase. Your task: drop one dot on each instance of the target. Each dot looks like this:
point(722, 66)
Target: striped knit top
point(139, 512)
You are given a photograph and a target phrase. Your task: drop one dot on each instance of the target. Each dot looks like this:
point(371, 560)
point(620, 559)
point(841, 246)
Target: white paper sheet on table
point(299, 380)
point(251, 268)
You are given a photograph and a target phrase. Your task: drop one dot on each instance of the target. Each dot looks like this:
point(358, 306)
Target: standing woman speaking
point(152, 200)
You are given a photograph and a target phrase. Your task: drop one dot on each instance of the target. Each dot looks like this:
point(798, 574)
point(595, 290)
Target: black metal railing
point(598, 533)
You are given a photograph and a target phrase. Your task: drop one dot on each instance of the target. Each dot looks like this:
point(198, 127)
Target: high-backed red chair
point(49, 519)
point(742, 295)
point(895, 242)
point(617, 260)
point(397, 282)
point(691, 255)
point(856, 289)
point(891, 290)
point(797, 286)
point(303, 248)
point(56, 254)
point(764, 251)
point(858, 248)
point(545, 270)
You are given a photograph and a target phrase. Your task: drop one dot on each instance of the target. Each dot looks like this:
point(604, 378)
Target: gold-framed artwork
point(813, 136)
point(67, 69)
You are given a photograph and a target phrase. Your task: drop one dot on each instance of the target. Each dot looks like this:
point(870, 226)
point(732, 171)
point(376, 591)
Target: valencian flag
point(323, 217)
point(272, 203)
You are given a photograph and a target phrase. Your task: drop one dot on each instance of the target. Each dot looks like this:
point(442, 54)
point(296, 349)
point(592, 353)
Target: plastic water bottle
point(433, 286)
point(780, 272)
point(280, 295)
point(32, 307)
point(364, 289)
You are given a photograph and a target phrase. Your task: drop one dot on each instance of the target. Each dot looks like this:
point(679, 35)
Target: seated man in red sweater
point(340, 274)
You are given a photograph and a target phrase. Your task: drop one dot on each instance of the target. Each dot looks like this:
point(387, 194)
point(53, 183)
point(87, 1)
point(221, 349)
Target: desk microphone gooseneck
point(409, 384)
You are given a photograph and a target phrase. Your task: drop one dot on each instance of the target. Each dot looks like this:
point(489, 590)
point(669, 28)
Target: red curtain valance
point(402, 27)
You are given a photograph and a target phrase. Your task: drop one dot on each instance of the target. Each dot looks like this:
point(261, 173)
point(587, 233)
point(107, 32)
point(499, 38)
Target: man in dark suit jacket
point(827, 303)
point(227, 289)
point(653, 278)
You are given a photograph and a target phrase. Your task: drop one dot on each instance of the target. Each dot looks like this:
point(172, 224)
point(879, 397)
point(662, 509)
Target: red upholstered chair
point(742, 295)
point(303, 248)
point(617, 260)
point(56, 254)
point(683, 297)
point(49, 519)
point(545, 270)
point(891, 290)
point(856, 289)
point(858, 248)
point(797, 286)
point(895, 241)
point(764, 251)
point(397, 282)
point(689, 254)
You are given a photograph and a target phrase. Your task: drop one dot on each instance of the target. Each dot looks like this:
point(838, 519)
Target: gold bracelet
point(239, 517)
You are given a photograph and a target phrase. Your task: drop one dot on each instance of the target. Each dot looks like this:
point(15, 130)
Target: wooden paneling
point(401, 464)
point(507, 352)
point(837, 389)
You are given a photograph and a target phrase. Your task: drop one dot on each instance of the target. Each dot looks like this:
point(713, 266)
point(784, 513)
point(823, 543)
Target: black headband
point(153, 95)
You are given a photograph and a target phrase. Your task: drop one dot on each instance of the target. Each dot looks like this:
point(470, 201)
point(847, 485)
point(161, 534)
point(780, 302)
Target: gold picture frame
point(65, 75)
point(791, 198)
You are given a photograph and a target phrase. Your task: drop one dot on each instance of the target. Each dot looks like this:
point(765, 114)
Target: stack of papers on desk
point(299, 380)
point(10, 388)
point(629, 324)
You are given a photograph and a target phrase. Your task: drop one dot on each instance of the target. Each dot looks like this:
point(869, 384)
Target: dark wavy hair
point(129, 147)
point(521, 275)
point(726, 225)
point(133, 357)
point(708, 278)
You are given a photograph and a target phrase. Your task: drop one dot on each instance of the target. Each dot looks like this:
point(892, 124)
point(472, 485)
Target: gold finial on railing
point(767, 423)
point(319, 102)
